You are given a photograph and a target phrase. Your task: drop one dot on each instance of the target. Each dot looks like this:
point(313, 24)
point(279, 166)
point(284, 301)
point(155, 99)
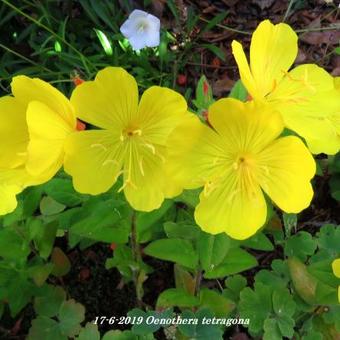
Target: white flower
point(141, 29)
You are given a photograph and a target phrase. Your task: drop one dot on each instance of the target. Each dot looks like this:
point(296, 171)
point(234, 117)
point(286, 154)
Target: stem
point(291, 2)
point(198, 279)
point(136, 253)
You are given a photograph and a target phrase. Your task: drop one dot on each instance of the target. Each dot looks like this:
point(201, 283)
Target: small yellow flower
point(336, 271)
point(305, 96)
point(236, 161)
point(30, 149)
point(131, 140)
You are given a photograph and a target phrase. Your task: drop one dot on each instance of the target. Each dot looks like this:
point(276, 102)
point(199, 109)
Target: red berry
point(181, 79)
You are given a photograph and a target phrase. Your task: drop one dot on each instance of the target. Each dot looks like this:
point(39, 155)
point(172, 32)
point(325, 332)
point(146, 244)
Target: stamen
point(141, 166)
point(100, 146)
point(110, 161)
point(151, 147)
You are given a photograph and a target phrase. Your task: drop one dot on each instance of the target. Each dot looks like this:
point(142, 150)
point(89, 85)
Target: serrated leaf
point(49, 301)
point(45, 328)
point(259, 242)
point(89, 332)
point(256, 305)
point(71, 314)
point(300, 245)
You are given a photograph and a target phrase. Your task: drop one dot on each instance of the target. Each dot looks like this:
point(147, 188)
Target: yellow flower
point(336, 271)
point(237, 160)
point(29, 145)
point(305, 96)
point(50, 119)
point(131, 140)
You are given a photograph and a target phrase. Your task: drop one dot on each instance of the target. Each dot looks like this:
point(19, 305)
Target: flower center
point(243, 161)
point(142, 26)
point(130, 132)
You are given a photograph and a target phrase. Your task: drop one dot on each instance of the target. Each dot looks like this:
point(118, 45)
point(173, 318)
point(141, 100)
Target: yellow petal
point(245, 74)
point(12, 182)
point(244, 126)
point(47, 130)
point(306, 90)
point(232, 208)
point(193, 150)
point(27, 89)
point(144, 177)
point(93, 159)
point(13, 132)
point(160, 110)
point(110, 101)
point(307, 100)
point(285, 170)
point(337, 83)
point(336, 267)
point(273, 50)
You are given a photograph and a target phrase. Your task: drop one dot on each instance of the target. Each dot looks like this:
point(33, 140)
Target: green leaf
point(328, 239)
point(181, 230)
point(256, 305)
point(90, 332)
point(216, 50)
point(13, 245)
point(271, 330)
point(49, 301)
point(236, 261)
point(219, 304)
point(174, 250)
point(62, 264)
point(289, 222)
point(215, 21)
point(105, 42)
point(49, 206)
point(45, 328)
point(71, 314)
point(259, 242)
point(120, 335)
point(284, 307)
point(204, 97)
point(62, 191)
point(304, 283)
point(150, 326)
point(239, 91)
point(212, 249)
point(146, 220)
point(184, 280)
point(234, 285)
point(176, 297)
point(300, 245)
point(43, 236)
point(200, 330)
point(104, 221)
point(39, 273)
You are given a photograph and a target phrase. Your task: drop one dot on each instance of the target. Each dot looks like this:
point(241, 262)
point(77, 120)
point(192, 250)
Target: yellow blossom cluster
point(158, 148)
